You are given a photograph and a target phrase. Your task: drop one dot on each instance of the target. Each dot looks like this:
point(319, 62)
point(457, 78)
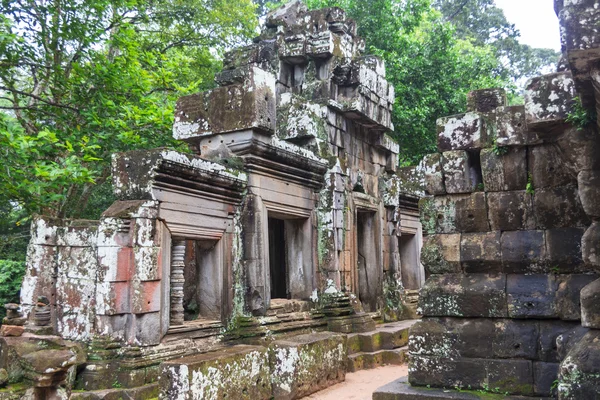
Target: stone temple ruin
point(258, 266)
point(235, 270)
point(511, 304)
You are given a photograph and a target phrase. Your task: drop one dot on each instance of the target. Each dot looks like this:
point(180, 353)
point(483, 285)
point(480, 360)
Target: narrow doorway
point(277, 259)
point(202, 280)
point(369, 274)
point(409, 261)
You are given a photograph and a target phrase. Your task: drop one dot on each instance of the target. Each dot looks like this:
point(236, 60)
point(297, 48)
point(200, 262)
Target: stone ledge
point(401, 390)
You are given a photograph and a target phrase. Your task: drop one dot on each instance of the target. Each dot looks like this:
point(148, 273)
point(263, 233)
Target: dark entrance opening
point(369, 274)
point(277, 259)
point(202, 285)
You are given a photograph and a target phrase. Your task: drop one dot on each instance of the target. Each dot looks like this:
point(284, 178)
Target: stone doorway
point(368, 268)
point(278, 268)
point(202, 280)
point(409, 260)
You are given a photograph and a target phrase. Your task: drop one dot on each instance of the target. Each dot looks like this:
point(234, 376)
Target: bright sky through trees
point(536, 21)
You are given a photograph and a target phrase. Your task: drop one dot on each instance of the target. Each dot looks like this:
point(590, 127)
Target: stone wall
point(510, 250)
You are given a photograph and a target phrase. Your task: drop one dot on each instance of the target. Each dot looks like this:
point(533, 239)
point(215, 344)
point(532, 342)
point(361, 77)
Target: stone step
point(365, 360)
point(401, 390)
point(137, 393)
point(385, 337)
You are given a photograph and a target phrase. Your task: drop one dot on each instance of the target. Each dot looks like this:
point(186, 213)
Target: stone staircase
point(387, 344)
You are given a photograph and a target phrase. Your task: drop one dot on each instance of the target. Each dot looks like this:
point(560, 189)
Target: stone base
point(401, 390)
point(354, 323)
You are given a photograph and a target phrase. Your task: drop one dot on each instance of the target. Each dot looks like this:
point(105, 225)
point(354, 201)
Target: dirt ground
point(361, 385)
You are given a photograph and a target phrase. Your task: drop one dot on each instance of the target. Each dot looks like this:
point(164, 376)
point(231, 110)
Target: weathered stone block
point(512, 376)
point(547, 167)
point(440, 253)
point(236, 372)
point(510, 211)
point(113, 298)
point(558, 207)
point(486, 100)
point(439, 214)
point(512, 128)
point(548, 99)
point(77, 236)
point(145, 297)
point(464, 295)
point(147, 329)
point(471, 213)
point(563, 247)
point(461, 132)
point(114, 232)
point(228, 108)
point(579, 22)
point(432, 171)
point(590, 305)
point(148, 264)
point(590, 245)
point(40, 275)
point(531, 296)
point(568, 297)
point(504, 172)
point(306, 364)
point(567, 339)
point(480, 252)
point(579, 375)
point(588, 183)
point(458, 176)
point(77, 262)
point(523, 251)
point(474, 338)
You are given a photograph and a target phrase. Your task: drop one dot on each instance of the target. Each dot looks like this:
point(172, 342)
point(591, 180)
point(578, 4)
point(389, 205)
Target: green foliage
point(431, 69)
point(482, 22)
point(497, 149)
point(11, 277)
point(82, 80)
point(529, 189)
point(579, 116)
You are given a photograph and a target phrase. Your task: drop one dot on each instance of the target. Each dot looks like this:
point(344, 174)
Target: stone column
point(177, 280)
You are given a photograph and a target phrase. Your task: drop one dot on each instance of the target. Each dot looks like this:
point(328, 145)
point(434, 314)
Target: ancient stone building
point(511, 305)
point(287, 216)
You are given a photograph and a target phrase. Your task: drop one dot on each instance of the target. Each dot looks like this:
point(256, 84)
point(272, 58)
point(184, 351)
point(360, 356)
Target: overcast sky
point(535, 19)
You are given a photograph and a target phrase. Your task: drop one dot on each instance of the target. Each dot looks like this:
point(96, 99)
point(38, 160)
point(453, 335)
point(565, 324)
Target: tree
point(485, 24)
point(431, 69)
point(81, 80)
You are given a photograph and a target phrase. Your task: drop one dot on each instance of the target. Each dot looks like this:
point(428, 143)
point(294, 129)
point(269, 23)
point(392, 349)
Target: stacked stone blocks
point(505, 221)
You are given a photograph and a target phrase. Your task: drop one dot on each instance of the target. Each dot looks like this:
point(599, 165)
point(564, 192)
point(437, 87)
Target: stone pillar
point(177, 280)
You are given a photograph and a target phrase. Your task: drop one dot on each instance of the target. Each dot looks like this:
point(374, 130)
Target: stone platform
point(400, 389)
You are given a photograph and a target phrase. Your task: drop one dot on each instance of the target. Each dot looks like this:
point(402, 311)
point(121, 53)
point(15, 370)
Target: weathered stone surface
point(509, 376)
point(11, 330)
point(552, 333)
point(588, 183)
point(457, 170)
point(590, 305)
point(568, 297)
point(510, 211)
point(564, 249)
point(471, 213)
point(228, 108)
point(544, 375)
point(441, 253)
point(461, 132)
point(512, 128)
point(236, 372)
point(464, 295)
point(531, 296)
point(486, 100)
point(548, 100)
point(558, 207)
point(590, 245)
point(306, 364)
point(579, 22)
point(523, 251)
point(439, 214)
point(474, 338)
point(480, 252)
point(566, 340)
point(579, 376)
point(546, 167)
point(432, 171)
point(504, 172)
point(545, 296)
